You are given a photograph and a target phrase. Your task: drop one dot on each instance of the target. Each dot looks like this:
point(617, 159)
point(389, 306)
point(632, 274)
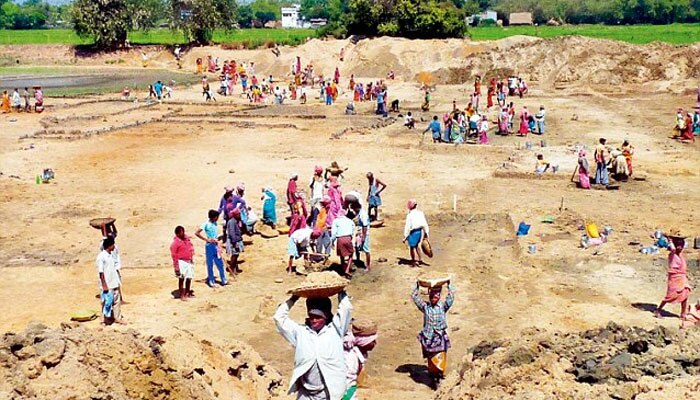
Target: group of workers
point(13, 102)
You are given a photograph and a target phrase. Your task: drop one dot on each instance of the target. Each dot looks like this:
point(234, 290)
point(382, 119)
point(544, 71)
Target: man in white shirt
point(319, 363)
point(415, 230)
point(110, 283)
point(539, 118)
point(16, 101)
point(342, 232)
point(299, 242)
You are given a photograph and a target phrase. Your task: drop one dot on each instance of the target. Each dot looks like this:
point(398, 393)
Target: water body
point(76, 81)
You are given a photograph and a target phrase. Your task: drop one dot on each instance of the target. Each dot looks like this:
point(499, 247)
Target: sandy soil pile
point(610, 362)
point(575, 58)
point(73, 362)
point(451, 61)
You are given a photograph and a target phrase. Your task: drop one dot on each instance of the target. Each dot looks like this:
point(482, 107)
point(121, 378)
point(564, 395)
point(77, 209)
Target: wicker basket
point(317, 291)
point(267, 232)
point(364, 327)
point(84, 315)
point(430, 281)
point(427, 249)
point(320, 284)
point(98, 223)
point(283, 230)
point(376, 224)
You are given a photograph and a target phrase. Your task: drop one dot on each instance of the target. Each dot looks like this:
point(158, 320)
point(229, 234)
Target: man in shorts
point(182, 252)
point(342, 231)
point(110, 283)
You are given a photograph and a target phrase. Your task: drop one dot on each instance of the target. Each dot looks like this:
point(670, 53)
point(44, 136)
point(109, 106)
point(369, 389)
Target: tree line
point(32, 14)
point(108, 22)
point(444, 18)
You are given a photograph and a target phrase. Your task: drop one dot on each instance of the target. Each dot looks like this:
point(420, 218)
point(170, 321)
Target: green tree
point(245, 16)
point(266, 10)
point(198, 19)
point(314, 9)
point(109, 21)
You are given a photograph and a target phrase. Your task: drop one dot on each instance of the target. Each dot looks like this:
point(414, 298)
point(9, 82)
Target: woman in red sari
point(678, 289)
point(524, 129)
point(491, 91)
point(687, 133)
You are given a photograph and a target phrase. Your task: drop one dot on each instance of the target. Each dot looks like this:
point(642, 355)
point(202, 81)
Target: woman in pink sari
point(678, 289)
point(336, 200)
point(503, 122)
point(483, 130)
point(524, 129)
point(584, 181)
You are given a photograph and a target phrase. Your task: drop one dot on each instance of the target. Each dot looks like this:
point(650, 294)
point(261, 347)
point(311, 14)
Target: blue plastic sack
point(523, 229)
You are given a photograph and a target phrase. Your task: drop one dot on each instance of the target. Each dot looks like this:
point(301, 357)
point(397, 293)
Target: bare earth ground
point(171, 169)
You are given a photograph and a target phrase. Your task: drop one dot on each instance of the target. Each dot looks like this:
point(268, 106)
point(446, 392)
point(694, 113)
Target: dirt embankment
point(578, 59)
point(568, 59)
point(73, 362)
point(611, 362)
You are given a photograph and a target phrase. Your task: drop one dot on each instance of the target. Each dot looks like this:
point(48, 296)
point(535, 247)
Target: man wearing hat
point(319, 362)
point(677, 289)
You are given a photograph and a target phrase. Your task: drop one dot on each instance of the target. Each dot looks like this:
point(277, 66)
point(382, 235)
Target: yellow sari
point(5, 103)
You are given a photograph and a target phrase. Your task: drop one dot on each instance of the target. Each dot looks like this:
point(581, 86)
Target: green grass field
point(249, 37)
point(674, 33)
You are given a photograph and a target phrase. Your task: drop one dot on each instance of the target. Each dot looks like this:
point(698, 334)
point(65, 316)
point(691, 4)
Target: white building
point(291, 17)
point(488, 14)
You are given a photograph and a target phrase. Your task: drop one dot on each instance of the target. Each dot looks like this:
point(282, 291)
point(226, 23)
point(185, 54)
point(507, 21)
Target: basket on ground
point(377, 223)
point(320, 284)
point(98, 223)
point(267, 232)
point(84, 315)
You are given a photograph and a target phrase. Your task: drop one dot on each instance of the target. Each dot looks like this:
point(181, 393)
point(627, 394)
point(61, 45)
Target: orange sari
point(5, 103)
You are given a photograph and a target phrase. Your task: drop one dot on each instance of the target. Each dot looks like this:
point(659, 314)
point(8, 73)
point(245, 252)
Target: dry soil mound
point(581, 59)
point(77, 363)
point(612, 362)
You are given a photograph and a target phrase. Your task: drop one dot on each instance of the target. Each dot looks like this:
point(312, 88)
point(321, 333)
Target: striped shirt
point(434, 316)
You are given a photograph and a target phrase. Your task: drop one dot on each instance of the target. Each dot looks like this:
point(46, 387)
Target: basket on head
point(426, 248)
point(320, 284)
point(432, 280)
point(364, 327)
point(98, 223)
point(674, 232)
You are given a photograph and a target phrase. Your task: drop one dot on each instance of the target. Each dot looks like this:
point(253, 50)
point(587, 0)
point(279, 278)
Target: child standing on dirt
point(211, 249)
